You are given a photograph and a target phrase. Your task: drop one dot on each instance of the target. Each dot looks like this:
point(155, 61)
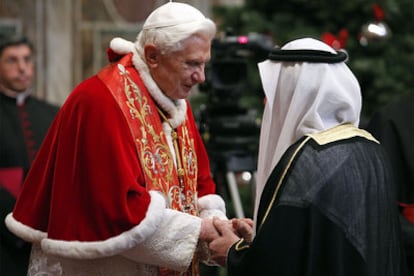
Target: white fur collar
point(176, 109)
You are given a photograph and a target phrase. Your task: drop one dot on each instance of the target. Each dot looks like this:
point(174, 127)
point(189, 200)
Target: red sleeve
point(86, 183)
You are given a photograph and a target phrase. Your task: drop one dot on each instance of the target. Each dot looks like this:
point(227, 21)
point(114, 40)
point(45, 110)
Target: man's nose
point(199, 75)
point(23, 64)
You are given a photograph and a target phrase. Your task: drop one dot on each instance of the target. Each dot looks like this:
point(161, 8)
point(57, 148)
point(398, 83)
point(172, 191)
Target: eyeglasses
point(194, 66)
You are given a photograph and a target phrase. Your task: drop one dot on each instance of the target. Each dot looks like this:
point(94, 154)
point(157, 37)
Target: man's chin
point(183, 94)
point(187, 91)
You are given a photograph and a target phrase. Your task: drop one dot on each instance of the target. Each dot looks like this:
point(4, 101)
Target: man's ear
point(152, 55)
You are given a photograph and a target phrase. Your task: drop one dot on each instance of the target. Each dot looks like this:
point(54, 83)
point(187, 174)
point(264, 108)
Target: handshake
point(217, 236)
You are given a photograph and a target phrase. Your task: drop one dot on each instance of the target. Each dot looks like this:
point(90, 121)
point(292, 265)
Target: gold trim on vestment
point(341, 132)
point(151, 143)
point(153, 151)
point(239, 246)
point(279, 183)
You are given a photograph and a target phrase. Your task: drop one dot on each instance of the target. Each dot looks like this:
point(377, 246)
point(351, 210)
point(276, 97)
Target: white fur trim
point(173, 243)
point(114, 245)
point(121, 46)
point(176, 109)
point(23, 231)
point(212, 206)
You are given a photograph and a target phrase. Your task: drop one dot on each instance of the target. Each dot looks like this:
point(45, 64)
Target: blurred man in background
point(24, 121)
point(393, 126)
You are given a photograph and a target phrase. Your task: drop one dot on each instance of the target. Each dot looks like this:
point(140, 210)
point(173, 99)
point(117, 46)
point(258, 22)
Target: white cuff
point(173, 243)
point(212, 206)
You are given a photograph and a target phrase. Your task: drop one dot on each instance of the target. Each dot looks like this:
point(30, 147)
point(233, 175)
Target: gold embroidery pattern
point(157, 159)
point(184, 196)
point(179, 187)
point(150, 141)
point(190, 167)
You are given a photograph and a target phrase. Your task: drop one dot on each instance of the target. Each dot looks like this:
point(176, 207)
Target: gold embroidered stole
point(156, 160)
point(145, 124)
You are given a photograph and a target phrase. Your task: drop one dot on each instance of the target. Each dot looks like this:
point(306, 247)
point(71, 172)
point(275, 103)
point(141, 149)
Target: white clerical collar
point(19, 96)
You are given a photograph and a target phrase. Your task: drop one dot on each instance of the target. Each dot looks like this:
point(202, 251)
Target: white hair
point(170, 25)
point(172, 38)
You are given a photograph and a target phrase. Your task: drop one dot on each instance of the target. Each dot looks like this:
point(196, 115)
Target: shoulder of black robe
point(41, 116)
point(38, 115)
point(333, 215)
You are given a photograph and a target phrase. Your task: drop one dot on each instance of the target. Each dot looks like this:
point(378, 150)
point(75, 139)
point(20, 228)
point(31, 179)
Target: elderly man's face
point(177, 72)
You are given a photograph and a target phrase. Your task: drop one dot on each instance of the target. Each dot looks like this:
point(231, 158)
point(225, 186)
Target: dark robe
point(334, 214)
point(22, 129)
point(393, 127)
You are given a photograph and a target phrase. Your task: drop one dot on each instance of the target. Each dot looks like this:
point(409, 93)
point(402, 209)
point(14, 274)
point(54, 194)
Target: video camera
point(225, 121)
point(227, 74)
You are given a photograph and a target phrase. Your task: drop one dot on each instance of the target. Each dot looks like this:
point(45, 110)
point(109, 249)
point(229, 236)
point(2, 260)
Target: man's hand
point(220, 246)
point(208, 231)
point(243, 228)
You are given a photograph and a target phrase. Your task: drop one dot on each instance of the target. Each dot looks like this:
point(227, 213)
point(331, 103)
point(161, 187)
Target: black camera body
point(226, 123)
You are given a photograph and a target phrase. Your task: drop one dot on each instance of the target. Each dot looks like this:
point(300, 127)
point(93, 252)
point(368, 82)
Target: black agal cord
point(307, 56)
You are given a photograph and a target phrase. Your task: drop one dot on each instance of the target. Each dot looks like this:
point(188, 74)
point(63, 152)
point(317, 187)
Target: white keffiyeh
point(302, 98)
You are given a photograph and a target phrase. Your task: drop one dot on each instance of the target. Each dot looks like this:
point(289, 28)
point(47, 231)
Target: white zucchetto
point(172, 14)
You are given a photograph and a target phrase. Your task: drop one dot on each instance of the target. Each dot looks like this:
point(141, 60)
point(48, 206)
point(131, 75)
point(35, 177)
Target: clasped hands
point(220, 235)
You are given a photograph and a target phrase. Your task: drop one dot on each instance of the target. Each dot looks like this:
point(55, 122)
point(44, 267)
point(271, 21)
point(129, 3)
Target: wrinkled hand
point(208, 231)
point(220, 246)
point(243, 228)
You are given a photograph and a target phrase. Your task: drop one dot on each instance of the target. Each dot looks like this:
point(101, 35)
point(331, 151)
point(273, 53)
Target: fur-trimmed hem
point(96, 249)
point(23, 231)
point(114, 245)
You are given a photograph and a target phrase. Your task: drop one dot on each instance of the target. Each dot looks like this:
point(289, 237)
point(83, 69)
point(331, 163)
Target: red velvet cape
point(86, 183)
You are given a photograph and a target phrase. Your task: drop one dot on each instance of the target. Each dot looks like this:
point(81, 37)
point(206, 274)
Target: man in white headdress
point(325, 204)
point(122, 184)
